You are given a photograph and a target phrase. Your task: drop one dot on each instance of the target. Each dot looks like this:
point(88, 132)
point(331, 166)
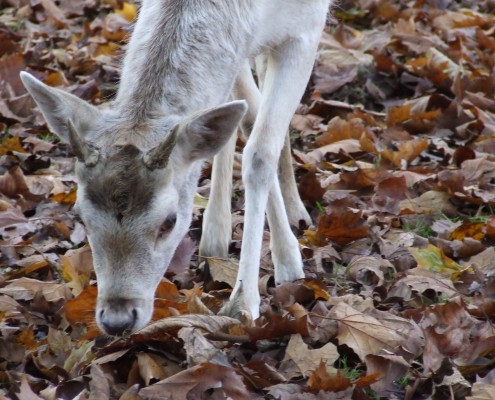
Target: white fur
point(185, 57)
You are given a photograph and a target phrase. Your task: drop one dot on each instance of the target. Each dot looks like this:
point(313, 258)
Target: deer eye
point(168, 225)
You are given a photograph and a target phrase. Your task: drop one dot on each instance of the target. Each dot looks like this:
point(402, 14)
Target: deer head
point(136, 185)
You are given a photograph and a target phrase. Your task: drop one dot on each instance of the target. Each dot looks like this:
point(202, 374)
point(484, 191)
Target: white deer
point(140, 157)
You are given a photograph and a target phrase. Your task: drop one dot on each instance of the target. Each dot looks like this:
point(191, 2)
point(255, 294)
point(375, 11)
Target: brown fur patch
point(122, 185)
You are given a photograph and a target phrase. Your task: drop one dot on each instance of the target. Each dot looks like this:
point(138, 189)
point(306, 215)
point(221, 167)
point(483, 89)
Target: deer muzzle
point(120, 316)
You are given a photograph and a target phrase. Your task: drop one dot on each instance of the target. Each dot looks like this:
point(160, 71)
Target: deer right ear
point(58, 107)
point(203, 134)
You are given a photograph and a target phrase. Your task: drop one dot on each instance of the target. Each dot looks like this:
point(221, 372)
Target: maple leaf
point(364, 334)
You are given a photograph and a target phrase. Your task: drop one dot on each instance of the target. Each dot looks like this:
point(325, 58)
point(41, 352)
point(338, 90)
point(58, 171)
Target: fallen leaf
point(149, 369)
point(308, 360)
point(210, 323)
point(99, 387)
point(223, 269)
point(320, 379)
point(364, 334)
point(26, 288)
point(194, 382)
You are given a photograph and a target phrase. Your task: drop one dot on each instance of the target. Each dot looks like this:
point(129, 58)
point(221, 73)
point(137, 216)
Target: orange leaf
point(128, 11)
point(11, 144)
point(166, 308)
point(367, 380)
point(407, 151)
point(26, 270)
point(318, 288)
point(399, 114)
point(167, 290)
point(342, 225)
point(475, 230)
point(56, 78)
point(278, 326)
point(320, 379)
point(82, 310)
point(315, 238)
point(65, 198)
point(26, 338)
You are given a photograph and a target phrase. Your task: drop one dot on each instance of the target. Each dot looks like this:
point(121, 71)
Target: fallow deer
point(139, 157)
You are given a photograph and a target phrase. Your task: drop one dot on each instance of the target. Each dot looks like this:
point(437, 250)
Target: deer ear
point(203, 134)
point(58, 107)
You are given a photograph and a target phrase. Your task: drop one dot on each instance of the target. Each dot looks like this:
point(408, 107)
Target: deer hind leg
point(293, 203)
point(288, 70)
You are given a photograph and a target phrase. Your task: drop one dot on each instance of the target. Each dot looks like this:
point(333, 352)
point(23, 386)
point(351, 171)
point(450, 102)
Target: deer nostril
point(134, 314)
point(101, 313)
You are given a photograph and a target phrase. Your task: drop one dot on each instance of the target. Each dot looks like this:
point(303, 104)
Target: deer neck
point(182, 57)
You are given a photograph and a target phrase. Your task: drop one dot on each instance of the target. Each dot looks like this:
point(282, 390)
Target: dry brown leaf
point(198, 349)
point(310, 187)
point(447, 328)
point(75, 281)
point(482, 391)
point(364, 334)
point(99, 385)
point(54, 12)
point(319, 289)
point(390, 368)
point(210, 323)
point(308, 360)
point(347, 146)
point(149, 369)
point(406, 152)
point(26, 288)
point(321, 380)
point(429, 202)
point(369, 271)
point(194, 382)
point(342, 225)
point(422, 283)
point(223, 269)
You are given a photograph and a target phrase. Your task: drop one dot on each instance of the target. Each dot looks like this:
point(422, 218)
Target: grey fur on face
point(121, 185)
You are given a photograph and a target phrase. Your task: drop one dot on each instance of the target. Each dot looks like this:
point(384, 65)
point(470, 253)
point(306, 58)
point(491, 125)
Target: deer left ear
point(203, 134)
point(58, 107)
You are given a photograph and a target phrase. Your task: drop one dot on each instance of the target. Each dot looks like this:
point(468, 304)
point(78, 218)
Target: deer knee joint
point(259, 168)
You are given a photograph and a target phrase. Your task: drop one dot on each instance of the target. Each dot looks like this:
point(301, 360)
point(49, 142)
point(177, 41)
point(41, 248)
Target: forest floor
point(393, 150)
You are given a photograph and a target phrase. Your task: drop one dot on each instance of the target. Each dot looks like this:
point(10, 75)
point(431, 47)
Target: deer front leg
point(288, 71)
point(217, 226)
point(245, 89)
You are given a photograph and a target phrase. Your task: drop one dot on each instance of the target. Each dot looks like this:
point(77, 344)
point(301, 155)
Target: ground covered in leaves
point(394, 151)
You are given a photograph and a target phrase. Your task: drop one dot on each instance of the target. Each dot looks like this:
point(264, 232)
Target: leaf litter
point(393, 150)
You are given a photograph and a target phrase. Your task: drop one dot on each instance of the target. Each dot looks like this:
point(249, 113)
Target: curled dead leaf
point(370, 271)
point(210, 323)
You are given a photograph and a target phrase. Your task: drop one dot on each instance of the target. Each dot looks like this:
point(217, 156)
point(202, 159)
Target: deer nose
point(117, 317)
